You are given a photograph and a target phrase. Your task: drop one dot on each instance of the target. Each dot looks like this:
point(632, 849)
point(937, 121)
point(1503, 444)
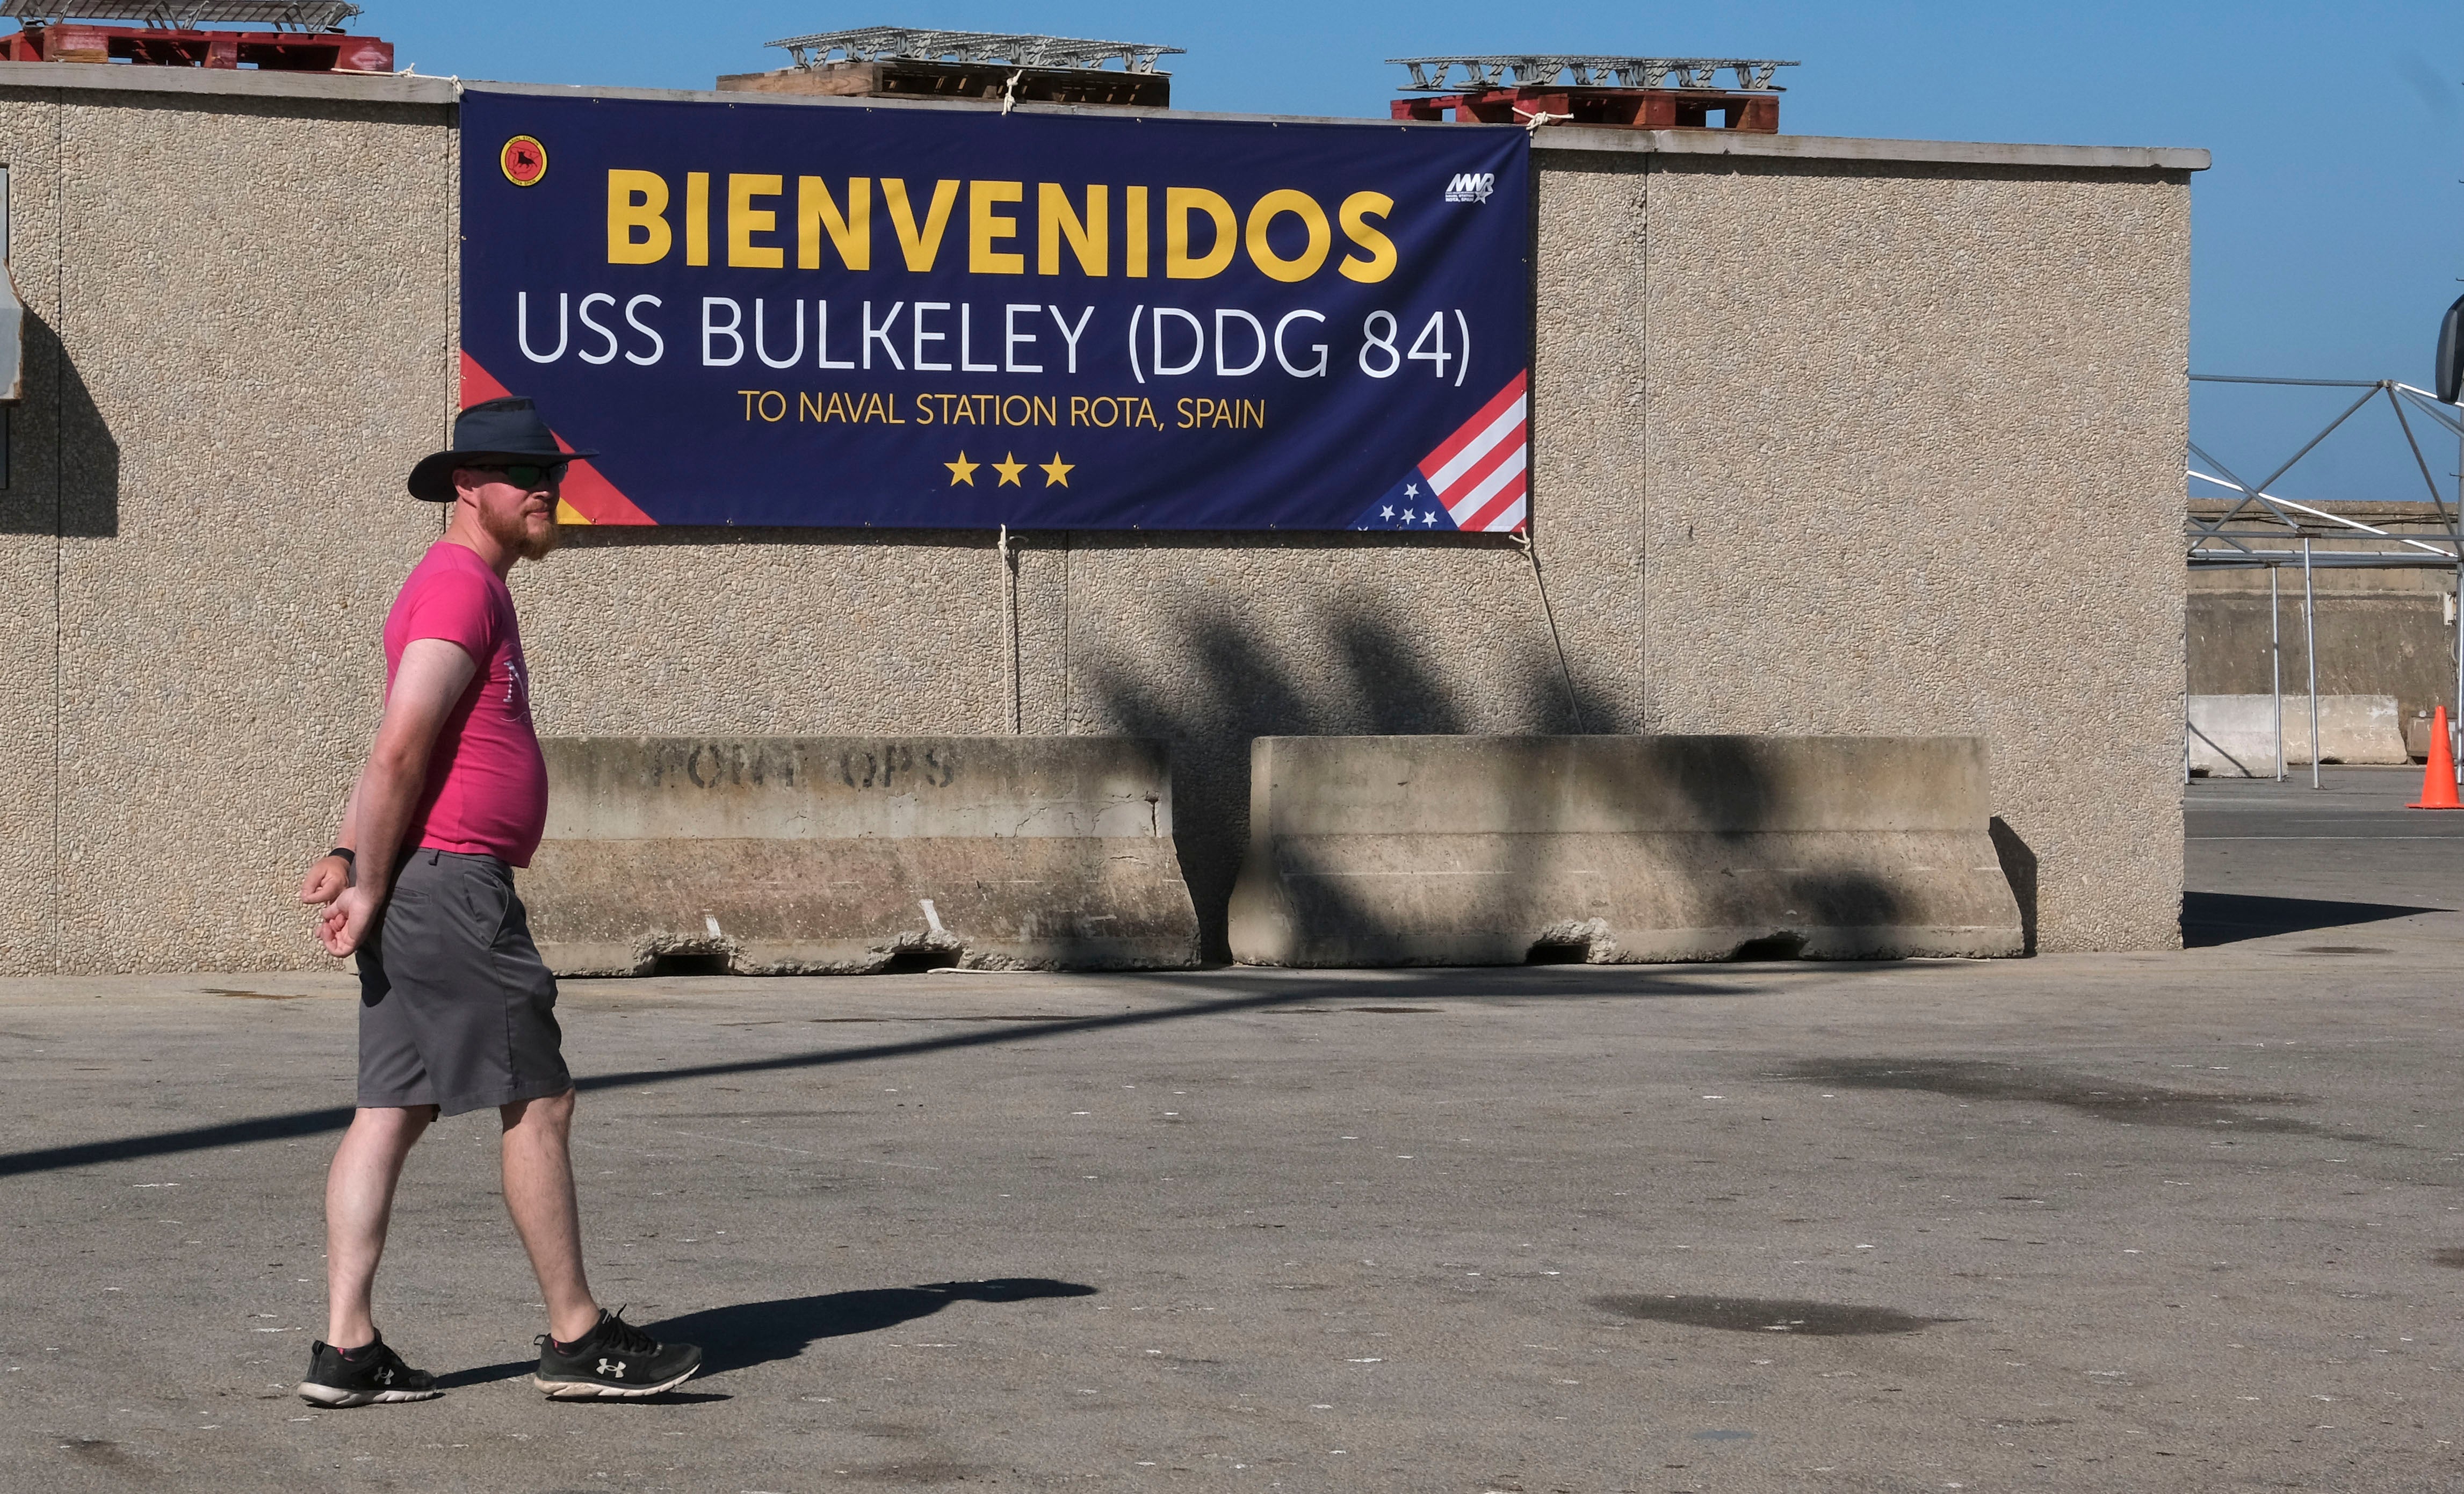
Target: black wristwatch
point(344, 851)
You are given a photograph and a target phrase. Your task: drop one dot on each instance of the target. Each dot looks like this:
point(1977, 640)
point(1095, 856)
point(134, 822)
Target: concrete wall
point(1778, 399)
point(1632, 849)
point(253, 300)
point(2235, 736)
point(2393, 640)
point(30, 557)
point(1882, 400)
point(2381, 631)
point(840, 855)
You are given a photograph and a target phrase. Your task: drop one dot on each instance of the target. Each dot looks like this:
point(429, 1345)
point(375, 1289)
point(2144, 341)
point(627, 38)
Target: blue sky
point(2328, 238)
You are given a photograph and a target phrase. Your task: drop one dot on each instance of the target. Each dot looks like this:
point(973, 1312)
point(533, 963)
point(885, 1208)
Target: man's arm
point(330, 873)
point(431, 677)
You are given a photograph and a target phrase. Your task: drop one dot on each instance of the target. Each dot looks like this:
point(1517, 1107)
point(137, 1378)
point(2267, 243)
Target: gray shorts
point(456, 1009)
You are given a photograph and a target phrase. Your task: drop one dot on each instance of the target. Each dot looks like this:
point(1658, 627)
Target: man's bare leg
point(539, 1194)
point(358, 1206)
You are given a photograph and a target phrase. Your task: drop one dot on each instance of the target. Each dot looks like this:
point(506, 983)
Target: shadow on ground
point(761, 1332)
point(2212, 918)
point(2125, 1101)
point(1239, 992)
point(1767, 1315)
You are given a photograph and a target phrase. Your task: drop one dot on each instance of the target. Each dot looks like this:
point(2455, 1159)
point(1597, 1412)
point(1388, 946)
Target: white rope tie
point(1574, 702)
point(1009, 629)
point(1532, 120)
point(1009, 90)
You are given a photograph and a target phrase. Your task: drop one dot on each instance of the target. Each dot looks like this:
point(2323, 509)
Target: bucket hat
point(506, 430)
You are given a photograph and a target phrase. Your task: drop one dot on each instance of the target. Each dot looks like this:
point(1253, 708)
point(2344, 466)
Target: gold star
point(1009, 467)
point(1056, 471)
point(963, 471)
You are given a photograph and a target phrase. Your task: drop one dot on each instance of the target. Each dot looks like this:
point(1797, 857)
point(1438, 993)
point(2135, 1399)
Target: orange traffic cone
point(2438, 781)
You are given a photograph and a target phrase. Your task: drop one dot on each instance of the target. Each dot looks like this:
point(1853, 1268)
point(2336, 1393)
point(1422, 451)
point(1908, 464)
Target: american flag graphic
point(1475, 480)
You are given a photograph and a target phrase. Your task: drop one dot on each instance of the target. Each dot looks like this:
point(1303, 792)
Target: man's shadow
point(759, 1333)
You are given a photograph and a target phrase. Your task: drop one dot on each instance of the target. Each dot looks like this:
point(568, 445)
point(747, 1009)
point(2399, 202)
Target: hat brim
point(432, 479)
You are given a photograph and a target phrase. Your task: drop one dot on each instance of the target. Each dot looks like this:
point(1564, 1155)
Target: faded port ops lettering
point(769, 313)
point(736, 764)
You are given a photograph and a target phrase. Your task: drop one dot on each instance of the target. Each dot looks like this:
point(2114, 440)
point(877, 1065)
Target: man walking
point(456, 1009)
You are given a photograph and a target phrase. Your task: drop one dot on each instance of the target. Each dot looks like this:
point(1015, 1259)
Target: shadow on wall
point(1740, 888)
point(1361, 670)
point(1746, 794)
point(1232, 686)
point(2019, 866)
point(83, 502)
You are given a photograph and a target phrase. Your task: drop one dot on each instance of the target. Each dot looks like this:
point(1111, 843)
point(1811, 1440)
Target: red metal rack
point(1624, 108)
point(289, 51)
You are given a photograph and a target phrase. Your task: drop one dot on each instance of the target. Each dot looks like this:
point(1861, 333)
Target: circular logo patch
point(524, 159)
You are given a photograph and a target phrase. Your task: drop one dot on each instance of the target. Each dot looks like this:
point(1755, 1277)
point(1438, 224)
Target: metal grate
point(302, 15)
point(874, 43)
point(1429, 74)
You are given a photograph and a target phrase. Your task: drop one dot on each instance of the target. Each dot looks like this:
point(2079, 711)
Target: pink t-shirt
point(487, 783)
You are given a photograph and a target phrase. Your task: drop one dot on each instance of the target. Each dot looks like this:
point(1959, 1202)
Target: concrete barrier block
point(844, 856)
point(2418, 730)
point(1485, 850)
point(2234, 735)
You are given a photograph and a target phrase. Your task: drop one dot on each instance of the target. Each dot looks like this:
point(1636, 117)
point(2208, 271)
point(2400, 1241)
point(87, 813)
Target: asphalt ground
point(2148, 1221)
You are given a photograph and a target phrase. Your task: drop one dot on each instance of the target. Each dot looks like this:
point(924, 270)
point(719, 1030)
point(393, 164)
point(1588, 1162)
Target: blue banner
point(799, 314)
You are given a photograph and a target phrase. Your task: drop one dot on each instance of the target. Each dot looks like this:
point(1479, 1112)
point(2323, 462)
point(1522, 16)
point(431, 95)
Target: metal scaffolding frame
point(287, 16)
point(874, 43)
point(1535, 70)
point(2249, 534)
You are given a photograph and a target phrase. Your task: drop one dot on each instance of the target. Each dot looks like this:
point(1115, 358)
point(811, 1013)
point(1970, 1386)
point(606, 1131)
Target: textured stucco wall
point(253, 300)
point(30, 544)
point(1857, 359)
point(1912, 437)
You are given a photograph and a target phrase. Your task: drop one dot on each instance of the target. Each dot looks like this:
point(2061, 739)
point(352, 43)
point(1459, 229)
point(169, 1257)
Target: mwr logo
point(1472, 187)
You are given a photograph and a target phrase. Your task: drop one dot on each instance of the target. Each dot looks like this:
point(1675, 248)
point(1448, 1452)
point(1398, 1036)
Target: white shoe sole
point(333, 1398)
point(594, 1390)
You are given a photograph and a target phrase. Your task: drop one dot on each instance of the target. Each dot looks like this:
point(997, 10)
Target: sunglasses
point(527, 474)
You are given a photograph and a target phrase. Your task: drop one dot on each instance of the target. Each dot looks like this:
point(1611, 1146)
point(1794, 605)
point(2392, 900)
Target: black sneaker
point(369, 1376)
point(613, 1359)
